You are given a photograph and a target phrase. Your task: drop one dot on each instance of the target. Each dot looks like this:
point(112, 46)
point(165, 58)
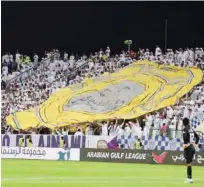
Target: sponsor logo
point(116, 155)
point(30, 152)
point(64, 154)
point(200, 159)
point(179, 158)
point(112, 144)
point(102, 144)
point(138, 156)
point(159, 158)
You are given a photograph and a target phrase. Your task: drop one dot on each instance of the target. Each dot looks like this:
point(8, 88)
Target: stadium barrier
point(28, 72)
point(98, 142)
point(40, 153)
point(138, 156)
point(100, 155)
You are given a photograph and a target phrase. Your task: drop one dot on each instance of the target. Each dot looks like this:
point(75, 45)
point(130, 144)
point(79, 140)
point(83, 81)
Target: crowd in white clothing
point(63, 71)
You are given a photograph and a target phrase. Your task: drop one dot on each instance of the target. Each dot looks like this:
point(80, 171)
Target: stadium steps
point(29, 72)
point(70, 73)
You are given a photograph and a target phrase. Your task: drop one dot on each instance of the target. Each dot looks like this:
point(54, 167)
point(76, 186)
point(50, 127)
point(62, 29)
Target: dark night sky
point(86, 26)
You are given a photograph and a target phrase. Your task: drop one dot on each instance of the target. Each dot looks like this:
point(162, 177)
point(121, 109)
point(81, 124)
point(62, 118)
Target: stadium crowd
point(27, 84)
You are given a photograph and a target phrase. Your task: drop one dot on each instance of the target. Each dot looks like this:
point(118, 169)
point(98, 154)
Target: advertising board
point(138, 156)
point(40, 153)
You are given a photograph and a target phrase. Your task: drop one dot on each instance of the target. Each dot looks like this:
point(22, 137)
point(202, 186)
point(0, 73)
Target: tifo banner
point(40, 153)
point(99, 142)
point(140, 88)
point(137, 156)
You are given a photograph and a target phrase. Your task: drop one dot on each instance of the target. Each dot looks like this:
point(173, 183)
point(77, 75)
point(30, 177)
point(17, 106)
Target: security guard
point(138, 144)
point(61, 144)
point(29, 142)
point(20, 142)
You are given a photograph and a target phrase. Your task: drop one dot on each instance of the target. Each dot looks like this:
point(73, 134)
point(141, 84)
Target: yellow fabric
point(163, 86)
point(26, 119)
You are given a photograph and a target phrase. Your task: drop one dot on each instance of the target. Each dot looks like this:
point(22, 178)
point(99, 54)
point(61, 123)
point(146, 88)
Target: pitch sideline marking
point(98, 182)
point(87, 178)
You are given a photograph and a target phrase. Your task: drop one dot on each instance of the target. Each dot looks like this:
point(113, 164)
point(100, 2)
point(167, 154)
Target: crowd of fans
point(23, 89)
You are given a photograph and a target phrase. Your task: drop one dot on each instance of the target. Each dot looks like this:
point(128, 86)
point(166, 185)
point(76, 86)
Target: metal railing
point(171, 133)
point(70, 73)
point(65, 75)
point(29, 72)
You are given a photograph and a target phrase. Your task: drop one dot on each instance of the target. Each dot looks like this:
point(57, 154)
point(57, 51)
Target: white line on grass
point(99, 182)
point(92, 178)
point(99, 170)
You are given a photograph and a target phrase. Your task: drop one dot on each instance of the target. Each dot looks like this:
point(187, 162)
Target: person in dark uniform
point(190, 139)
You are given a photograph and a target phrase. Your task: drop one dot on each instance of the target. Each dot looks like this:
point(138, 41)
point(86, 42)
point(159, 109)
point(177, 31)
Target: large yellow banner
point(138, 89)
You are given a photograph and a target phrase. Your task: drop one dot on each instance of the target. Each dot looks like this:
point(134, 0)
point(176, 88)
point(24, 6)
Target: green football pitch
point(32, 173)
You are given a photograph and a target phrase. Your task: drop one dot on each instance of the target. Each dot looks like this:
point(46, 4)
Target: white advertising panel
point(40, 153)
